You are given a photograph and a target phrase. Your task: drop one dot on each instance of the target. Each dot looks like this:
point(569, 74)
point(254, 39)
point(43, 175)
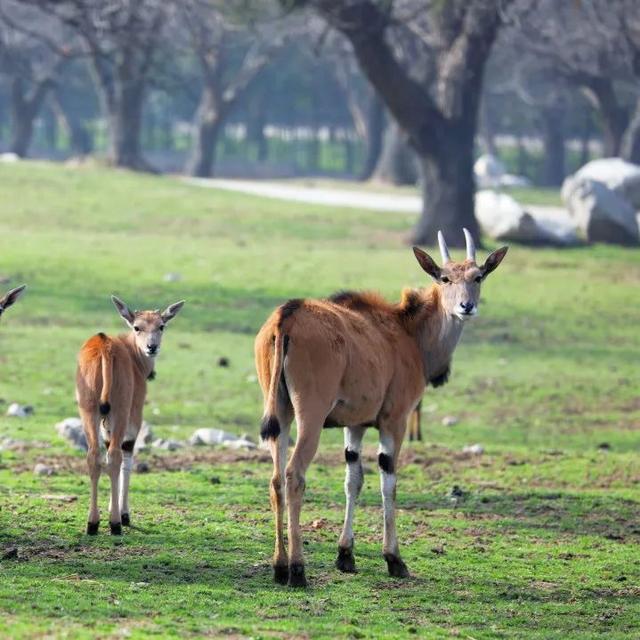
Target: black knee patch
point(385, 462)
point(269, 428)
point(126, 520)
point(116, 528)
point(351, 456)
point(128, 445)
point(105, 407)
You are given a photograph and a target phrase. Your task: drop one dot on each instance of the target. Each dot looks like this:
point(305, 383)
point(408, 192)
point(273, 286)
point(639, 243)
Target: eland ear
point(11, 297)
point(172, 310)
point(427, 263)
point(123, 310)
point(493, 261)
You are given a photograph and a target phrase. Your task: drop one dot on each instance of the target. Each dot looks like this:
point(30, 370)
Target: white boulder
point(501, 217)
point(616, 174)
point(602, 214)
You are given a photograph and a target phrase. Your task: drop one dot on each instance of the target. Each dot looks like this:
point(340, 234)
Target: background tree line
point(408, 91)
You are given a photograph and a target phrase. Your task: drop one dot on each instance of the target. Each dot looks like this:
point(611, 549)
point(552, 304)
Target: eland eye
point(136, 329)
point(161, 328)
point(444, 279)
point(478, 279)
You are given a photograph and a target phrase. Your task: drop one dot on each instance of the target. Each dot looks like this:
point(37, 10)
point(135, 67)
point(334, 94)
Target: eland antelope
point(357, 361)
point(111, 386)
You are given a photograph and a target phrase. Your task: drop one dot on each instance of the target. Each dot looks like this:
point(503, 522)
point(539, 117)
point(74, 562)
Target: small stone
point(168, 445)
point(215, 480)
point(449, 421)
point(473, 449)
point(239, 444)
point(142, 467)
point(43, 470)
point(604, 446)
point(211, 437)
point(223, 362)
point(16, 410)
point(71, 430)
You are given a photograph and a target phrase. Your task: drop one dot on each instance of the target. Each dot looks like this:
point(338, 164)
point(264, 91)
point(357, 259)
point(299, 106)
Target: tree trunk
point(630, 147)
point(125, 128)
point(553, 169)
point(375, 130)
point(397, 161)
point(205, 139)
point(614, 118)
point(23, 113)
point(79, 136)
point(448, 189)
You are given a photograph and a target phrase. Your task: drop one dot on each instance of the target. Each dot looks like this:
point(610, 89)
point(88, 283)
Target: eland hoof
point(397, 568)
point(296, 576)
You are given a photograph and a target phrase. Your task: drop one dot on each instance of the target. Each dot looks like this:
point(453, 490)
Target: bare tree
point(120, 38)
point(593, 45)
point(32, 53)
point(426, 58)
point(231, 51)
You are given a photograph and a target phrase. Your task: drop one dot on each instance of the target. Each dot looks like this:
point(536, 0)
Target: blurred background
point(424, 93)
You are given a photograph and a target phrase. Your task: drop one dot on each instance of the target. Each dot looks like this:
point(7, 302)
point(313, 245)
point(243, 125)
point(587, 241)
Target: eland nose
point(152, 348)
point(467, 307)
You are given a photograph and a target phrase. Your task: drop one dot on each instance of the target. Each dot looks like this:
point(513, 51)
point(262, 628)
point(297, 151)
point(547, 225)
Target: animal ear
point(427, 263)
point(172, 310)
point(492, 262)
point(123, 310)
point(12, 296)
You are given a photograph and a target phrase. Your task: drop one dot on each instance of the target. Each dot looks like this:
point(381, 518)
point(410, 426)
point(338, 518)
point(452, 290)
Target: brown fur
point(354, 360)
point(111, 387)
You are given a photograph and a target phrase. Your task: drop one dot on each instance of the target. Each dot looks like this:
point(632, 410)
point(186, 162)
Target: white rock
point(43, 470)
point(616, 174)
point(239, 444)
point(601, 214)
point(172, 277)
point(449, 421)
point(168, 445)
point(16, 410)
point(211, 437)
point(71, 430)
point(473, 449)
point(501, 217)
point(9, 157)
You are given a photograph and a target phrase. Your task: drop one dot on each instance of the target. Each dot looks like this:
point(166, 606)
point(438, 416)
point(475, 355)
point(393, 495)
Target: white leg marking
point(388, 489)
point(352, 482)
point(125, 474)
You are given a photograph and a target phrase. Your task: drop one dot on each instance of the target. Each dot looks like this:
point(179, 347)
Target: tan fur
point(111, 387)
point(356, 361)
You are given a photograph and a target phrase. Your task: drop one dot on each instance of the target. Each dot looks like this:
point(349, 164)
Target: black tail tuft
point(105, 407)
point(269, 428)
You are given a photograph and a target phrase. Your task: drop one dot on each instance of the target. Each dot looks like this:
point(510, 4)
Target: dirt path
point(374, 201)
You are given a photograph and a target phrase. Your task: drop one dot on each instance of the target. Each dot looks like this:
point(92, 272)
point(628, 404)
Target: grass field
point(544, 544)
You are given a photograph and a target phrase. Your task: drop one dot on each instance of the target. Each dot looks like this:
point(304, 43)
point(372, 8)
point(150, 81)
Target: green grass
point(545, 545)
